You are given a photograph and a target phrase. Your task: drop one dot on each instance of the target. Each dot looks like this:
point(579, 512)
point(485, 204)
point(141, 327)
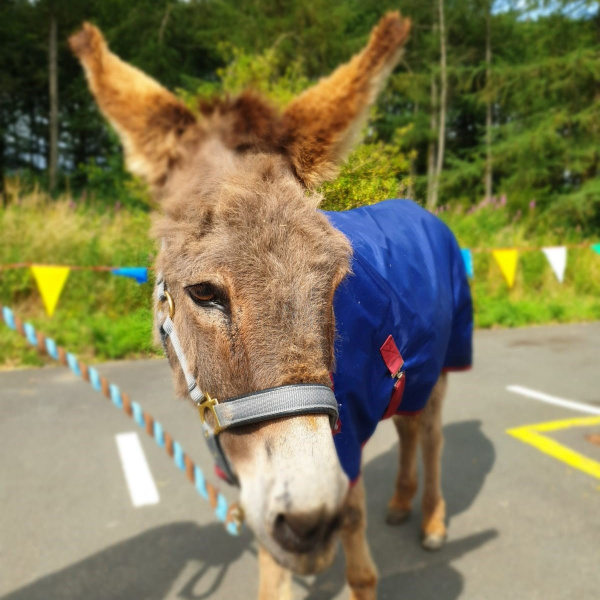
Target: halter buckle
point(209, 404)
point(237, 515)
point(170, 302)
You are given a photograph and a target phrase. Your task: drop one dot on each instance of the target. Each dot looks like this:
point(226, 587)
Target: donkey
point(262, 302)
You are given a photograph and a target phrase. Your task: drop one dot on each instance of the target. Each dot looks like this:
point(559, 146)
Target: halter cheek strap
point(202, 401)
point(265, 405)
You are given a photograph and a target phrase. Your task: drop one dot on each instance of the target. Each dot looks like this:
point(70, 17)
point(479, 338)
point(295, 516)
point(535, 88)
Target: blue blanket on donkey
point(402, 317)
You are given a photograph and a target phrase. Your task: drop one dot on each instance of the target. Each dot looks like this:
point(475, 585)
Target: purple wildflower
point(532, 205)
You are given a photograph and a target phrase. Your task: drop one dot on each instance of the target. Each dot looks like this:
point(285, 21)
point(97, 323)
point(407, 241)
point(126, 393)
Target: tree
point(441, 142)
point(53, 94)
point(488, 102)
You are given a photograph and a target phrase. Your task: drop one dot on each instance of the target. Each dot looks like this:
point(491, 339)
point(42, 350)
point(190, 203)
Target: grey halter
point(286, 400)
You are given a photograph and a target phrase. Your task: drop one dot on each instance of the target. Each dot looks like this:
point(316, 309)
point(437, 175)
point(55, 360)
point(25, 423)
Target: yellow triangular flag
point(50, 282)
point(507, 261)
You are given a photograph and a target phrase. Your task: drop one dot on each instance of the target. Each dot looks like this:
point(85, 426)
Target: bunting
point(50, 282)
point(468, 260)
point(507, 261)
point(557, 257)
point(140, 274)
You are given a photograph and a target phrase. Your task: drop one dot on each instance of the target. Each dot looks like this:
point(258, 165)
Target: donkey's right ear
point(154, 126)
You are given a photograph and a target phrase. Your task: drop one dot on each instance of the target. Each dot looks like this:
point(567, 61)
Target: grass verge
point(101, 317)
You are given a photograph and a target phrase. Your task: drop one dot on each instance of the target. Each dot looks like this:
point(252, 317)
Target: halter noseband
point(285, 400)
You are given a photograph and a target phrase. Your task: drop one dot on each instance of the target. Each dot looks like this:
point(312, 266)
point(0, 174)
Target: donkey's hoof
point(396, 516)
point(433, 541)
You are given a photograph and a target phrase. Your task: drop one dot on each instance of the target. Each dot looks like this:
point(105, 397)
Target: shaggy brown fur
point(157, 131)
point(322, 123)
point(314, 133)
point(243, 224)
point(242, 166)
point(237, 214)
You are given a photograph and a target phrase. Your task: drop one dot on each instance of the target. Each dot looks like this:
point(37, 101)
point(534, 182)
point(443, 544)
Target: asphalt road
point(522, 523)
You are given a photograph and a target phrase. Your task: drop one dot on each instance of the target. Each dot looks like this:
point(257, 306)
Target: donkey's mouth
point(303, 543)
point(296, 534)
point(310, 562)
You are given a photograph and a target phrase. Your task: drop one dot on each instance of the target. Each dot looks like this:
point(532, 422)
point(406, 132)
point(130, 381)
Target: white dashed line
point(140, 482)
point(578, 406)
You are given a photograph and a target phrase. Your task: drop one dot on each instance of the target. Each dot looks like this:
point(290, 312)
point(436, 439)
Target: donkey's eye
point(207, 295)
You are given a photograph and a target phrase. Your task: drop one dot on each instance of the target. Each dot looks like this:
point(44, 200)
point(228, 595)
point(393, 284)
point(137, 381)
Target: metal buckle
point(399, 374)
point(170, 302)
point(238, 516)
point(209, 404)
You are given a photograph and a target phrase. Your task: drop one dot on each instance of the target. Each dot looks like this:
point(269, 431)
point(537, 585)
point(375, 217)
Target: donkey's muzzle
point(302, 533)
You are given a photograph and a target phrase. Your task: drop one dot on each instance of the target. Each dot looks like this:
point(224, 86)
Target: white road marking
point(578, 406)
point(140, 482)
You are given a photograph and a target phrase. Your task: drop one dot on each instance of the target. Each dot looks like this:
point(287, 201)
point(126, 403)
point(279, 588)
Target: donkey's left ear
point(320, 125)
point(154, 126)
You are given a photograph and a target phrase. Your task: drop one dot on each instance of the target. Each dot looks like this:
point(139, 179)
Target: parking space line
point(532, 434)
point(140, 482)
point(578, 406)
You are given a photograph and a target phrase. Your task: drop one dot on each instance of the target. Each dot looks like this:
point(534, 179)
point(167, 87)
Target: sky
point(542, 8)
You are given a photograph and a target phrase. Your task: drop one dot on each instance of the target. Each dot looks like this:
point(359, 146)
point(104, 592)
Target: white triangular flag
point(557, 257)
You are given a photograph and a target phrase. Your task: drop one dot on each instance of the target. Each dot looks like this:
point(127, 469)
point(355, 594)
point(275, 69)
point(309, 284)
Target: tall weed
point(101, 316)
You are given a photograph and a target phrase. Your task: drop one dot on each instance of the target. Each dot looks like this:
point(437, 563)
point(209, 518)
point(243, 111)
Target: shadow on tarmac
point(405, 569)
point(149, 566)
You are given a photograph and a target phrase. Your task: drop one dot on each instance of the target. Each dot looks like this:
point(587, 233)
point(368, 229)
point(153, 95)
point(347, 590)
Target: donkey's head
point(250, 264)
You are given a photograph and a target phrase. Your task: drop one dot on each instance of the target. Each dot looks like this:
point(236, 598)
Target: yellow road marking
point(531, 434)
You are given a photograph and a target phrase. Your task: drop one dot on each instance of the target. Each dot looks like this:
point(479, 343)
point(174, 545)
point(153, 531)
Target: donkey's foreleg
point(275, 582)
point(361, 573)
point(432, 440)
point(406, 481)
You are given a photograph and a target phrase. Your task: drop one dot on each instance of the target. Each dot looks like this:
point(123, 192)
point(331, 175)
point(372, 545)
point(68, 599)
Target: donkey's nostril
point(297, 532)
point(302, 532)
point(303, 525)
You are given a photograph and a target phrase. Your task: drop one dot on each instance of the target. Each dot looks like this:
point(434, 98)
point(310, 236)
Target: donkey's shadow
point(405, 570)
point(190, 562)
point(180, 559)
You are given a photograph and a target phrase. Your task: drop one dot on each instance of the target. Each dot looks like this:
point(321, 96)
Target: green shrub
point(99, 315)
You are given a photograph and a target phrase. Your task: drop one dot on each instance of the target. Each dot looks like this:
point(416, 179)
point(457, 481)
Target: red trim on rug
point(396, 400)
point(394, 362)
point(456, 369)
point(355, 481)
point(409, 413)
point(391, 356)
point(337, 427)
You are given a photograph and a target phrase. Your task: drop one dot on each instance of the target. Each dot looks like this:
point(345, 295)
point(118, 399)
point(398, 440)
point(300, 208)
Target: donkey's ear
point(152, 124)
point(320, 125)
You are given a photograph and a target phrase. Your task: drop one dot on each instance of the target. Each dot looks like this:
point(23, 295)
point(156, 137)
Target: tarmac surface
point(522, 523)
